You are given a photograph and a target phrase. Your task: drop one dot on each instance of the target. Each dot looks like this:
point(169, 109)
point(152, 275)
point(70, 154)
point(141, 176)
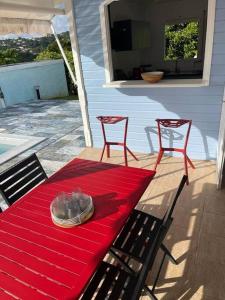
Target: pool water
point(4, 148)
point(12, 145)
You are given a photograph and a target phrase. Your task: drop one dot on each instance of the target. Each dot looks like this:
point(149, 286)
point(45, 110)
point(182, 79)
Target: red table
point(39, 260)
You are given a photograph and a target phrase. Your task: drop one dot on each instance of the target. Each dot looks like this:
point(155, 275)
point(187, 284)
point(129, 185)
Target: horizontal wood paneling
point(157, 107)
point(220, 4)
point(143, 106)
point(219, 26)
point(219, 48)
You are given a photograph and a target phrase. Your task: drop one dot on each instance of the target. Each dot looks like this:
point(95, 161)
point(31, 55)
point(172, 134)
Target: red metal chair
point(174, 123)
point(111, 120)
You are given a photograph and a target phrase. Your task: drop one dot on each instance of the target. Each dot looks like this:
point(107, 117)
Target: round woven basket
point(79, 219)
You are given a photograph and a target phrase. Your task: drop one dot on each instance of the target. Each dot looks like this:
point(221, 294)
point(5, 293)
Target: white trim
point(221, 147)
point(165, 83)
point(27, 65)
point(209, 39)
point(104, 18)
point(108, 54)
point(69, 8)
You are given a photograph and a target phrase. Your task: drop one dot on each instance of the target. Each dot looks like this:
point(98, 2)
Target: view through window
point(150, 35)
point(182, 40)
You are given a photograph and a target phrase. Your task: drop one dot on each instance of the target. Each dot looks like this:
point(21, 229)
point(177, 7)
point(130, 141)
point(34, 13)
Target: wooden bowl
point(152, 77)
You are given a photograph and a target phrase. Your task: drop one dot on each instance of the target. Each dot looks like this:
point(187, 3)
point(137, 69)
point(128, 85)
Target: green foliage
point(46, 54)
point(21, 50)
point(182, 40)
point(69, 55)
point(65, 42)
point(53, 52)
point(9, 56)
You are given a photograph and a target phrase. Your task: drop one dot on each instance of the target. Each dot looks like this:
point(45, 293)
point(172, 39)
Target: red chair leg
point(131, 153)
point(190, 162)
point(186, 167)
point(108, 151)
point(103, 150)
point(114, 120)
point(174, 123)
point(125, 155)
point(160, 155)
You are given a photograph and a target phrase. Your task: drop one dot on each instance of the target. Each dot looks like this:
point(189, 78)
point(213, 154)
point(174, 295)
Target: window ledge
point(165, 83)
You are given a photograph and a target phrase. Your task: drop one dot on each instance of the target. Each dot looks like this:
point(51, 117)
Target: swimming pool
point(4, 148)
point(11, 145)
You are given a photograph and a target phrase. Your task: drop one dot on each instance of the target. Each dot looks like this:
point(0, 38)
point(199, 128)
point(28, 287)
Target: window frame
point(107, 52)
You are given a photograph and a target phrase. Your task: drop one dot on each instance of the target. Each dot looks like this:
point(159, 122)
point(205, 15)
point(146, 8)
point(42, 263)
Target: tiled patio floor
point(58, 121)
point(197, 236)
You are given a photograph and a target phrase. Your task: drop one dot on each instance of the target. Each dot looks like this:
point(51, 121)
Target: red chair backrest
point(172, 123)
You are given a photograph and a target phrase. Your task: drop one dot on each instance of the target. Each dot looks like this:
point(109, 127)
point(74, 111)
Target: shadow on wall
point(201, 105)
point(167, 134)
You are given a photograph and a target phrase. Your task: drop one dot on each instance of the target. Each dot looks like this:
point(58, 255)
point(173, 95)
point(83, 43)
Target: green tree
point(53, 52)
point(182, 40)
point(50, 54)
point(9, 56)
point(46, 54)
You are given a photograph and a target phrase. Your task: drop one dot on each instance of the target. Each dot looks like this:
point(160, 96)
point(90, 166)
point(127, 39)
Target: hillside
point(25, 50)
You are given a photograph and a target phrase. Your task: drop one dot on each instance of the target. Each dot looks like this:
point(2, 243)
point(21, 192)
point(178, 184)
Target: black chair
point(144, 237)
point(135, 239)
point(21, 178)
point(112, 282)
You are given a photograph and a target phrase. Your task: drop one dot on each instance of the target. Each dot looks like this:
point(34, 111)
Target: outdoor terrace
point(197, 235)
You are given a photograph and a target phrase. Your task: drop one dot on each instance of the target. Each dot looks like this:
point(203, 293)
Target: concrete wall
point(144, 105)
point(18, 81)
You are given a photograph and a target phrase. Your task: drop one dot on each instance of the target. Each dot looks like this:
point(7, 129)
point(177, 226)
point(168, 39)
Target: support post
point(69, 9)
point(63, 54)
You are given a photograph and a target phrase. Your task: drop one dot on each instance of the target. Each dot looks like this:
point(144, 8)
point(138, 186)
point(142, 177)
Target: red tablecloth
point(39, 260)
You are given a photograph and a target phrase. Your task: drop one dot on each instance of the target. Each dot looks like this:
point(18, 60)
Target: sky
point(60, 24)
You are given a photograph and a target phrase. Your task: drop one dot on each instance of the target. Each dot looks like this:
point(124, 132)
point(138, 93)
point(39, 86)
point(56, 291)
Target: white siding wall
point(143, 106)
